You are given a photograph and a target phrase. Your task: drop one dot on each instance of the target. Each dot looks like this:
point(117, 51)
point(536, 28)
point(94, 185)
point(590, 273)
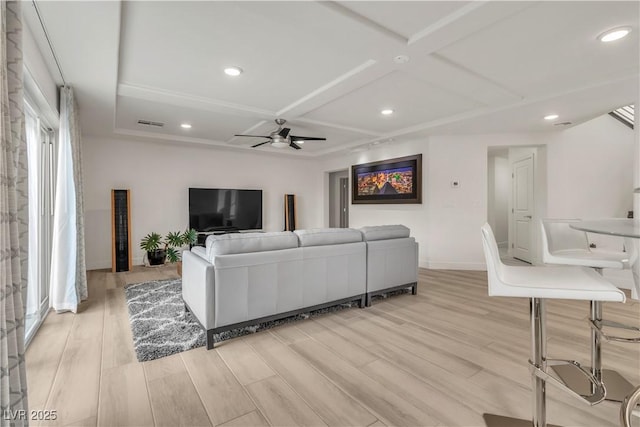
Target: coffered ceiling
point(329, 68)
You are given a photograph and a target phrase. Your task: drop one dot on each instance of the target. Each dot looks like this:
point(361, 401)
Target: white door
point(522, 174)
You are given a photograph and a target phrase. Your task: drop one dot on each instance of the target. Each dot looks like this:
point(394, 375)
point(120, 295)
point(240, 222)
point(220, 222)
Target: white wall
point(593, 163)
point(414, 216)
point(159, 176)
point(447, 223)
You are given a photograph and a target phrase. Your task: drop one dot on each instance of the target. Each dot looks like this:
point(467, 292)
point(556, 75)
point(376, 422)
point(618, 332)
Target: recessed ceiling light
point(614, 34)
point(185, 126)
point(551, 117)
point(233, 71)
point(386, 111)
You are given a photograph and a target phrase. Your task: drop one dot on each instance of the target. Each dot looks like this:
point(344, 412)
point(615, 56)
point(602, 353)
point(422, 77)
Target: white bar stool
point(539, 284)
point(563, 245)
point(629, 414)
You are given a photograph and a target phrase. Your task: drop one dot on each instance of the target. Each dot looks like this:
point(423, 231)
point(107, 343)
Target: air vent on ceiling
point(150, 123)
point(562, 124)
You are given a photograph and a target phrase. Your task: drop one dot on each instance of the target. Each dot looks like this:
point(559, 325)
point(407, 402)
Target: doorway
point(522, 176)
point(516, 194)
point(339, 199)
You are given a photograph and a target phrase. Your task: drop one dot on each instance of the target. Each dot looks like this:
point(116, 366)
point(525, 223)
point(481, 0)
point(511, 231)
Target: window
point(41, 153)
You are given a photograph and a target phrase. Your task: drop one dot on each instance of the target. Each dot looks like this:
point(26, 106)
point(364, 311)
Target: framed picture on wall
point(388, 181)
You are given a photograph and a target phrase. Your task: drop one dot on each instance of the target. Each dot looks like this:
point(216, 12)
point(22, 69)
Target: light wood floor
point(441, 358)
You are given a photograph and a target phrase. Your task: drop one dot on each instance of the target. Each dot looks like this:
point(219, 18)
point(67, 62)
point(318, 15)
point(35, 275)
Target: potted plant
point(154, 246)
point(176, 241)
point(159, 251)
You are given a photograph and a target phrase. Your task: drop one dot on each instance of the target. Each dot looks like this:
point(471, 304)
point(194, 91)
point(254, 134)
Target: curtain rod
point(46, 35)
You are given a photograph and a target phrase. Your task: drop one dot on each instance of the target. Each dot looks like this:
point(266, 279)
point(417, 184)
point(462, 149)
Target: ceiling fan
point(280, 137)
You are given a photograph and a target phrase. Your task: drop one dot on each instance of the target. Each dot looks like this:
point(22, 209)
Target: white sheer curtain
point(68, 271)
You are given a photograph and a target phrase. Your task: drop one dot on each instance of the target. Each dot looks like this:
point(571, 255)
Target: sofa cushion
point(384, 232)
point(328, 236)
point(240, 243)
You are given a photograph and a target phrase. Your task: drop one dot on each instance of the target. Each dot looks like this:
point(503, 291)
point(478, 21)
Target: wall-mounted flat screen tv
point(221, 209)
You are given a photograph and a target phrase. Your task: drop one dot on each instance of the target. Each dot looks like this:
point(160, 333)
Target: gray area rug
point(158, 321)
point(161, 327)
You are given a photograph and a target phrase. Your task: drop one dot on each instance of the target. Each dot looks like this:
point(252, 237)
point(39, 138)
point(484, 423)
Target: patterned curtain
point(68, 270)
point(76, 152)
point(14, 213)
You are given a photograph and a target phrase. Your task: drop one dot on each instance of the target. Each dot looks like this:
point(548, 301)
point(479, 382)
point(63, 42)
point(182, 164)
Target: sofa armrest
point(391, 263)
point(198, 287)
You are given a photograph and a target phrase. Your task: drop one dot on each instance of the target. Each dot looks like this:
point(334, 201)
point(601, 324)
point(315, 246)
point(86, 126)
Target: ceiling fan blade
point(284, 132)
point(294, 145)
point(256, 136)
point(306, 138)
point(258, 145)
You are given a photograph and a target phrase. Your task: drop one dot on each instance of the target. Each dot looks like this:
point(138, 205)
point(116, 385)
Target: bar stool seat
point(539, 284)
point(599, 259)
point(578, 283)
point(563, 245)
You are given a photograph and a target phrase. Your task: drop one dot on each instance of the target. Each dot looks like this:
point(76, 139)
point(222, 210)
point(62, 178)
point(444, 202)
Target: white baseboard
point(102, 264)
point(99, 265)
point(439, 265)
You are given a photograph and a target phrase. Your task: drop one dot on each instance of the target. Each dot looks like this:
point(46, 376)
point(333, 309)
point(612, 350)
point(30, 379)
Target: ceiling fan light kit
point(279, 142)
point(280, 137)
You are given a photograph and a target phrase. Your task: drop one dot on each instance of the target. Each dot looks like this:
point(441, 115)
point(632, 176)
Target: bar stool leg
point(596, 343)
point(538, 356)
point(617, 386)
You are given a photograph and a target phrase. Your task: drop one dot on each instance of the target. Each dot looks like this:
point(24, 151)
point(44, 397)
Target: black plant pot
point(157, 257)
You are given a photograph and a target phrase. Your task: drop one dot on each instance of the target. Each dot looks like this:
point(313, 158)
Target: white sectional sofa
point(243, 279)
point(392, 259)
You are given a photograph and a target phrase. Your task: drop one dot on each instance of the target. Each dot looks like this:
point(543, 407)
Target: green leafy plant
point(151, 242)
point(177, 240)
point(172, 243)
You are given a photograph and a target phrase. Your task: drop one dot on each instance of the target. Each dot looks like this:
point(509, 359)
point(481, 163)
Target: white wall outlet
point(455, 183)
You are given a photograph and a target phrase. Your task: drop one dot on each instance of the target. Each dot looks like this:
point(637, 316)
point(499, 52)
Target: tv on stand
point(224, 210)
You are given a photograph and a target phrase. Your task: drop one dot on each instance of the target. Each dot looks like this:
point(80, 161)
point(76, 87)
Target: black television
point(224, 210)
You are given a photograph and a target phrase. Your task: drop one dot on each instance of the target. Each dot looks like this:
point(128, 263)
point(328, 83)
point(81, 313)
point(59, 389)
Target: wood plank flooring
point(440, 358)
